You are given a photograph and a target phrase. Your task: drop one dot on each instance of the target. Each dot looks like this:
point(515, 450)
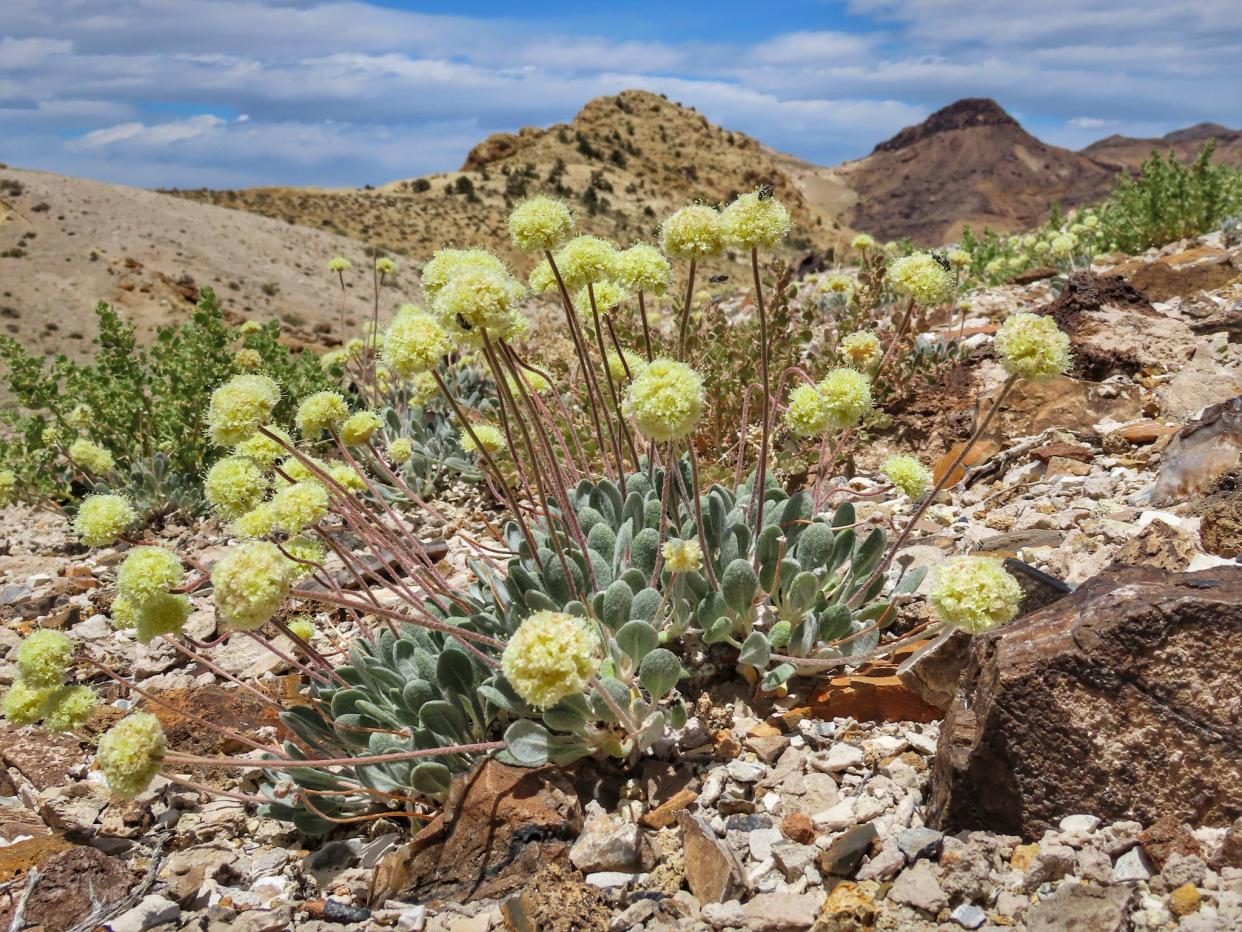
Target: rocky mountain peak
point(963, 114)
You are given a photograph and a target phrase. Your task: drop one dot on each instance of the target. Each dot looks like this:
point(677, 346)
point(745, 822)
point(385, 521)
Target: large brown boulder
point(1122, 700)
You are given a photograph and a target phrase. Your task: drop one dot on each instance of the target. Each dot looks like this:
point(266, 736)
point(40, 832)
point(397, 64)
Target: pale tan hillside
point(66, 243)
point(623, 162)
point(1127, 152)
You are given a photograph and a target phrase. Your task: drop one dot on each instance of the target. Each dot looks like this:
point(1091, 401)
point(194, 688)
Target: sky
point(342, 93)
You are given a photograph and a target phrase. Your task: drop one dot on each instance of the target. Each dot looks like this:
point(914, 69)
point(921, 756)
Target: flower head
point(259, 521)
point(400, 451)
point(683, 556)
point(1063, 246)
point(808, 413)
point(8, 486)
point(339, 264)
point(91, 456)
point(263, 449)
point(551, 655)
point(24, 704)
point(80, 417)
point(101, 519)
point(490, 437)
point(694, 232)
point(43, 657)
point(385, 266)
point(863, 241)
point(643, 268)
point(847, 393)
point(447, 264)
point(130, 753)
point(68, 708)
point(303, 627)
point(922, 277)
point(624, 365)
point(958, 258)
point(837, 284)
point(665, 399)
point(239, 407)
point(1033, 347)
point(534, 382)
point(299, 506)
point(585, 260)
point(755, 220)
point(251, 582)
point(347, 477)
point(306, 549)
point(974, 594)
point(861, 350)
point(423, 388)
point(147, 572)
point(608, 295)
point(360, 428)
point(540, 223)
point(542, 279)
point(907, 474)
point(477, 300)
point(247, 359)
point(414, 344)
point(234, 485)
point(319, 412)
point(163, 613)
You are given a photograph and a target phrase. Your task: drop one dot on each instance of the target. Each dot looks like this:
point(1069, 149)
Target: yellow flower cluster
point(130, 753)
point(755, 219)
point(359, 428)
point(908, 474)
point(643, 268)
point(400, 451)
point(414, 344)
point(490, 437)
point(38, 693)
point(239, 407)
point(682, 556)
point(1033, 347)
point(861, 350)
point(922, 277)
point(540, 223)
point(694, 232)
point(101, 519)
point(251, 582)
point(91, 456)
point(974, 594)
point(263, 449)
point(807, 414)
point(320, 411)
point(234, 485)
point(847, 393)
point(665, 399)
point(299, 506)
point(551, 655)
point(586, 260)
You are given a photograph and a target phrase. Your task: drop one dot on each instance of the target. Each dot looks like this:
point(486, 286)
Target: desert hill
point(66, 243)
point(970, 163)
point(1127, 152)
point(624, 162)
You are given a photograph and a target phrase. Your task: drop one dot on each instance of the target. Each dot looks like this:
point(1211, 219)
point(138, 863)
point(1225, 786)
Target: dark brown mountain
point(970, 163)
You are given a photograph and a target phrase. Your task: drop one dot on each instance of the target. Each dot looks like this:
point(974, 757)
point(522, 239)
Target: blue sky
point(347, 92)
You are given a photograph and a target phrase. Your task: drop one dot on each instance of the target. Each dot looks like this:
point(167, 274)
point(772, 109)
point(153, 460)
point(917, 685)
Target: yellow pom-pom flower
point(251, 582)
point(130, 753)
point(264, 450)
point(665, 400)
point(808, 413)
point(81, 417)
point(837, 284)
point(8, 486)
point(847, 393)
point(239, 407)
point(608, 295)
point(43, 657)
point(24, 704)
point(303, 627)
point(542, 279)
point(414, 344)
point(101, 519)
point(477, 301)
point(1062, 246)
point(259, 521)
point(163, 613)
point(247, 359)
point(1033, 347)
point(861, 350)
point(974, 594)
point(694, 232)
point(682, 556)
point(540, 223)
point(299, 506)
point(347, 477)
point(68, 708)
point(447, 264)
point(755, 220)
point(306, 549)
point(586, 260)
point(958, 258)
point(551, 655)
point(624, 365)
point(146, 572)
point(863, 241)
point(339, 264)
point(319, 412)
point(907, 474)
point(400, 451)
point(643, 268)
point(360, 428)
point(490, 437)
point(234, 485)
point(922, 277)
point(385, 266)
point(91, 456)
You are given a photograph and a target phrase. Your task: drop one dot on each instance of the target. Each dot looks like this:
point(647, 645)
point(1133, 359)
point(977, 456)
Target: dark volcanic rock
point(1121, 700)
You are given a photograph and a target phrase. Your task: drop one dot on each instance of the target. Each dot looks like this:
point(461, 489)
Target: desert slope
point(1127, 152)
point(66, 243)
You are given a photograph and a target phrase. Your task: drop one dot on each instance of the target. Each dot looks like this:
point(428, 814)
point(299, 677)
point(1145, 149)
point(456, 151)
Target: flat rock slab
point(1121, 700)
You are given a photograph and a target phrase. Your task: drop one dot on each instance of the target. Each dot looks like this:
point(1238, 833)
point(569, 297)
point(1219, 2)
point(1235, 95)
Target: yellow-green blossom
point(624, 365)
point(91, 456)
point(922, 277)
point(907, 474)
point(958, 258)
point(8, 486)
point(974, 594)
point(347, 477)
point(682, 556)
point(339, 264)
point(551, 655)
point(24, 704)
point(130, 753)
point(586, 260)
point(847, 393)
point(146, 572)
point(239, 407)
point(251, 582)
point(247, 359)
point(608, 295)
point(861, 350)
point(694, 232)
point(1063, 246)
point(68, 708)
point(235, 484)
point(259, 521)
point(361, 427)
point(1033, 347)
point(447, 264)
point(643, 268)
point(400, 451)
point(808, 413)
point(81, 417)
point(755, 219)
point(414, 344)
point(163, 613)
point(299, 506)
point(264, 450)
point(101, 519)
point(837, 284)
point(863, 241)
point(303, 627)
point(490, 436)
point(540, 223)
point(43, 657)
point(665, 399)
point(542, 279)
point(385, 266)
point(319, 412)
point(477, 301)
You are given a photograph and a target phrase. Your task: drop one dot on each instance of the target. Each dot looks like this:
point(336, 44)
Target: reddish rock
point(798, 827)
point(73, 882)
point(1166, 837)
point(1121, 700)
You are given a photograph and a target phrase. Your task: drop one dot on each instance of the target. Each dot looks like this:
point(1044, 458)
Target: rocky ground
point(1075, 770)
